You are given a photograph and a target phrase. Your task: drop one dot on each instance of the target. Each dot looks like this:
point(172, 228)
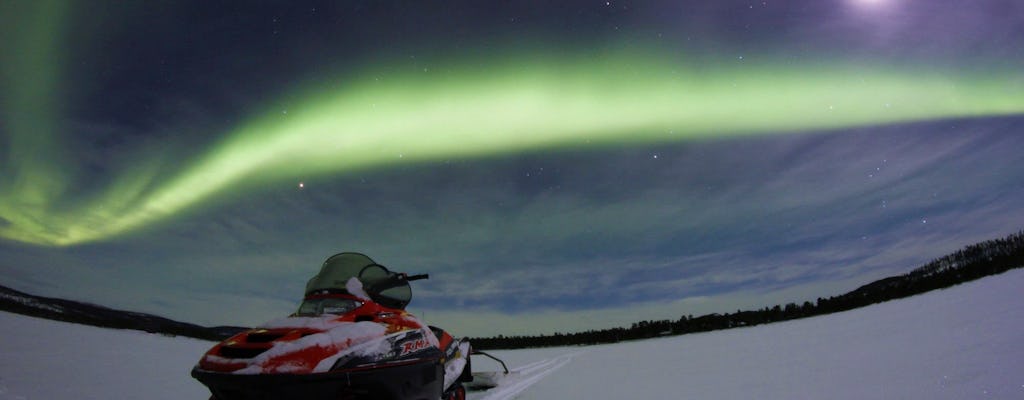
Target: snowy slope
point(49, 360)
point(962, 342)
point(965, 342)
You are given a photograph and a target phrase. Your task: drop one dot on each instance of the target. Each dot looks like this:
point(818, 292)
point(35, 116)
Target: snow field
point(49, 360)
point(963, 342)
point(521, 378)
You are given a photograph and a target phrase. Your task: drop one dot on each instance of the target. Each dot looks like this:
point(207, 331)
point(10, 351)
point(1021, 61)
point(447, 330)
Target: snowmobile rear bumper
point(416, 380)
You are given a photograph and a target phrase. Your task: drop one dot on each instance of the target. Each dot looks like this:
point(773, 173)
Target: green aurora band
point(474, 109)
point(30, 40)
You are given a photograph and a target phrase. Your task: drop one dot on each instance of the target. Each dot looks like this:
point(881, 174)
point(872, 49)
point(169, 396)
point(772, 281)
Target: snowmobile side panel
point(414, 380)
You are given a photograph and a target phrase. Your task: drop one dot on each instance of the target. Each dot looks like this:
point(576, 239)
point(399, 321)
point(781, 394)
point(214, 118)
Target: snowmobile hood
point(306, 345)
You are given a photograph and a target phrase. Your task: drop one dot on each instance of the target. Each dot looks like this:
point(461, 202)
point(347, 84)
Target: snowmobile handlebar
point(417, 277)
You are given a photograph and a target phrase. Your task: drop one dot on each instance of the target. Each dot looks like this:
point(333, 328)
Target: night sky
point(555, 166)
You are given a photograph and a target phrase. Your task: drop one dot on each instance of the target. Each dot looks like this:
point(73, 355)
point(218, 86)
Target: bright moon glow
point(473, 108)
point(870, 4)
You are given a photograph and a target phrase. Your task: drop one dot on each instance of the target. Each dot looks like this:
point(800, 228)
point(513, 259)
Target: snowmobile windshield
point(330, 305)
point(383, 286)
point(337, 270)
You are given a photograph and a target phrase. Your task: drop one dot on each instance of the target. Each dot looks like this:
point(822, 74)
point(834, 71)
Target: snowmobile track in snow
point(521, 378)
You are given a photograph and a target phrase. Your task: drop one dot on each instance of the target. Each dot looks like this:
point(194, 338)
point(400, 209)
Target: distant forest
point(972, 262)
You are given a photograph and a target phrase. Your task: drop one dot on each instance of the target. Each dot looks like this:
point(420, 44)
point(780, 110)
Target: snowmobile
point(351, 338)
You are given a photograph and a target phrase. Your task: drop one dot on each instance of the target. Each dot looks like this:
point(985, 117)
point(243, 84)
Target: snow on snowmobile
point(350, 339)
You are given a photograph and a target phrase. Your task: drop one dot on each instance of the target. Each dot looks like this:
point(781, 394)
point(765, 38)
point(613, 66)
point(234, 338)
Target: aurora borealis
point(626, 99)
point(135, 156)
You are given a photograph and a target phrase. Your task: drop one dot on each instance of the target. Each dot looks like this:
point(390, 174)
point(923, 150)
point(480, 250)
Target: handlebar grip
point(417, 277)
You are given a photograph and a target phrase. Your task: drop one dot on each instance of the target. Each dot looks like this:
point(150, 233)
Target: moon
point(871, 4)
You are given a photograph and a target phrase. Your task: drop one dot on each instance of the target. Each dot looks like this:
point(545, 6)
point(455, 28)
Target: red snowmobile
point(350, 339)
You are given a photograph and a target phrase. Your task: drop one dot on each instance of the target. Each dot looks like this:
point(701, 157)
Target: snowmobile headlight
point(334, 306)
point(339, 306)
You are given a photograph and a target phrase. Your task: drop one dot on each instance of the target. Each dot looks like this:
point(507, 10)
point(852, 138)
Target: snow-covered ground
point(49, 360)
point(958, 343)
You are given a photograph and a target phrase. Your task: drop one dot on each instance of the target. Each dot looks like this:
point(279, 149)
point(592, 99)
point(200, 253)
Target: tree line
point(972, 262)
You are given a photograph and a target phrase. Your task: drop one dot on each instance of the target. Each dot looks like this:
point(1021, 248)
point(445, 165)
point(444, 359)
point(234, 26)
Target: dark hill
point(972, 262)
point(90, 314)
